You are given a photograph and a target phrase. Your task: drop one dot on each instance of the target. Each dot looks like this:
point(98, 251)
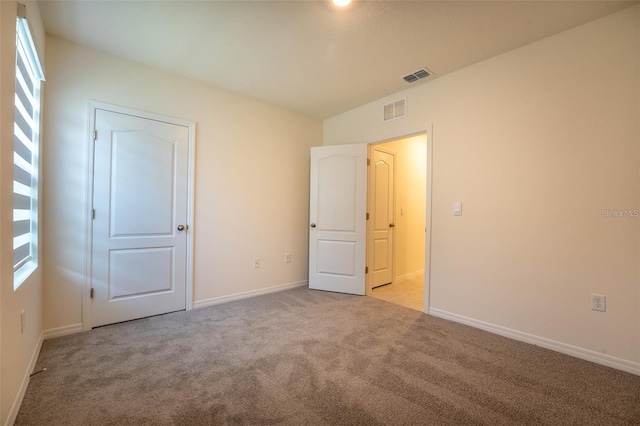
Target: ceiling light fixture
point(341, 3)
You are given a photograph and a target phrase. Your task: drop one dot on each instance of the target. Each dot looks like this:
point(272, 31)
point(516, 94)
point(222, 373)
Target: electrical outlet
point(287, 258)
point(23, 318)
point(598, 302)
point(256, 263)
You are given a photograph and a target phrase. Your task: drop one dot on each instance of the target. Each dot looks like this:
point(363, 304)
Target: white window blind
point(26, 129)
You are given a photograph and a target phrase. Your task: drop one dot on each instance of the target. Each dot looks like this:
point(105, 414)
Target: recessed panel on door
point(142, 184)
point(381, 208)
point(336, 257)
point(137, 272)
point(337, 193)
point(381, 254)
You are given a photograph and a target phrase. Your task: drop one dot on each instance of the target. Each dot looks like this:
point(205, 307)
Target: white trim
point(191, 180)
point(409, 276)
point(62, 331)
point(428, 231)
point(247, 294)
point(575, 351)
point(15, 407)
point(86, 288)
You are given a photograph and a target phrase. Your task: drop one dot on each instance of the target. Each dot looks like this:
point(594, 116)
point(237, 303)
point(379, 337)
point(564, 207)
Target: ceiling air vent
point(417, 75)
point(394, 110)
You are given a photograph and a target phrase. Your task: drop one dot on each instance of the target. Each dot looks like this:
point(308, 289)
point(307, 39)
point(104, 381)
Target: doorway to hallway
point(407, 284)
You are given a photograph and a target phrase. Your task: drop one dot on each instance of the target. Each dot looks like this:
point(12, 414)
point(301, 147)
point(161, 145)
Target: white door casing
point(139, 263)
point(380, 240)
point(337, 214)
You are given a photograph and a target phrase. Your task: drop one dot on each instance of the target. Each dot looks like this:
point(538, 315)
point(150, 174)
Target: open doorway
point(398, 195)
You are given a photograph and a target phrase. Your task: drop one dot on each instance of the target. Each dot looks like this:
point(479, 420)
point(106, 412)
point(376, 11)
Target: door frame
point(428, 131)
point(88, 271)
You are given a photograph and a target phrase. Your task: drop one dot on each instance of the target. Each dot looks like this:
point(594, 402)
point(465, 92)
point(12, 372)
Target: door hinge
point(368, 162)
point(366, 269)
point(367, 216)
point(95, 134)
point(91, 293)
point(93, 213)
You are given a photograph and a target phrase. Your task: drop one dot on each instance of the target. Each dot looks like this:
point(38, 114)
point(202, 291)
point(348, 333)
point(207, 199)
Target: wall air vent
point(417, 75)
point(393, 110)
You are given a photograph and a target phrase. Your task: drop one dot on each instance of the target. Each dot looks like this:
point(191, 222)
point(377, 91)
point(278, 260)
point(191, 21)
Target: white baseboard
point(575, 351)
point(409, 276)
point(62, 331)
point(13, 413)
point(246, 294)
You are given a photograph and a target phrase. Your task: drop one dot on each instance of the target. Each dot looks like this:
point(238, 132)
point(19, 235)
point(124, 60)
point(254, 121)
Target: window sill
point(21, 275)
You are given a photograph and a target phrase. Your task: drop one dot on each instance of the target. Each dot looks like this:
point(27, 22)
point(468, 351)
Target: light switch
point(457, 209)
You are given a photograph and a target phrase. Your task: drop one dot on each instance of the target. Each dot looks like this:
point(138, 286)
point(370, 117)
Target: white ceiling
point(307, 55)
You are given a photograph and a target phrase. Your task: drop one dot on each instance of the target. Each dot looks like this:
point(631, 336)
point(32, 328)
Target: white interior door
point(382, 216)
point(337, 213)
point(140, 202)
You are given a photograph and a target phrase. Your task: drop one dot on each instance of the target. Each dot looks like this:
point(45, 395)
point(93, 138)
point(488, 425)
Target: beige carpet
point(304, 357)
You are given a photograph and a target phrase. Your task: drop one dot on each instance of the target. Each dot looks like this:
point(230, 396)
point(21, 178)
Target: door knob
point(392, 225)
point(313, 225)
point(180, 227)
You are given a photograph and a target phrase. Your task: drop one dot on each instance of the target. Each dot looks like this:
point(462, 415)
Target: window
point(26, 129)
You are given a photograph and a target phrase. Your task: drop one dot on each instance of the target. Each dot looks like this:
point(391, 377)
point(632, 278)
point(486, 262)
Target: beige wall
point(18, 350)
point(535, 143)
point(410, 165)
point(251, 177)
